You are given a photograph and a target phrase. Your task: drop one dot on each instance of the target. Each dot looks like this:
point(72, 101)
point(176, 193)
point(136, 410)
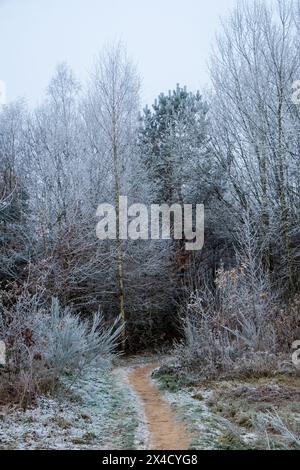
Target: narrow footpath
point(165, 431)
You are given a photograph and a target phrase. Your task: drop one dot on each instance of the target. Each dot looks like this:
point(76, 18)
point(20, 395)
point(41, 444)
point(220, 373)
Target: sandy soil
point(166, 432)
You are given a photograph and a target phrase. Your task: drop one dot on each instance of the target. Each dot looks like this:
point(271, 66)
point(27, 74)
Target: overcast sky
point(168, 39)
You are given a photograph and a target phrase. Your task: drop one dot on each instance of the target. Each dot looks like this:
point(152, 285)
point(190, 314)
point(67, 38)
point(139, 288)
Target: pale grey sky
point(169, 40)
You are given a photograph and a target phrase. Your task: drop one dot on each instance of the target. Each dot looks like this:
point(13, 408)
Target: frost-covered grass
point(257, 414)
point(99, 413)
point(205, 429)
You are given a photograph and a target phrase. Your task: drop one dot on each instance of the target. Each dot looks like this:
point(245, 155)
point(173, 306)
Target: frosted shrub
point(203, 350)
point(229, 329)
point(247, 307)
point(70, 342)
point(43, 344)
point(206, 347)
point(23, 374)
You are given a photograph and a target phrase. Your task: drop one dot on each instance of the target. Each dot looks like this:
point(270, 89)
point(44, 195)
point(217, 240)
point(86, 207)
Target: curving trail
point(166, 432)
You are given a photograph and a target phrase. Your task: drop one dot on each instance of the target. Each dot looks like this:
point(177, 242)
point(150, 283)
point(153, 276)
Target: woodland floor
point(127, 409)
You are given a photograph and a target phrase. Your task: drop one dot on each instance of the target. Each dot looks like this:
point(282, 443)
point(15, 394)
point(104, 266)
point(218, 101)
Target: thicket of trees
point(236, 151)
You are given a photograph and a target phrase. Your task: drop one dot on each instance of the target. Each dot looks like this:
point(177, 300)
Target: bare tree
point(113, 106)
point(254, 121)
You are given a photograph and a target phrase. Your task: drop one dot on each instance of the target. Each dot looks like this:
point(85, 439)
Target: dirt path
point(166, 432)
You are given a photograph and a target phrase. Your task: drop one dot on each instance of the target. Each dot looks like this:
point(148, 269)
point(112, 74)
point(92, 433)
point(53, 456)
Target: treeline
point(236, 150)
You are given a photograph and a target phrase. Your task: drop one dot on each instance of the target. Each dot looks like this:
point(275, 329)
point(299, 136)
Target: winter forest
point(98, 337)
